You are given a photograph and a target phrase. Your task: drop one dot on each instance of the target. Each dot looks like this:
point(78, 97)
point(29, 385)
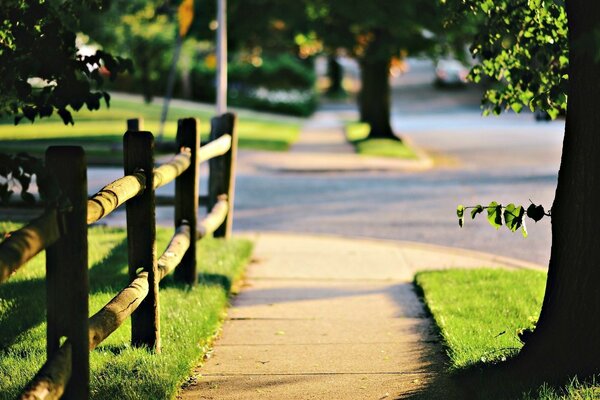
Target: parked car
point(450, 72)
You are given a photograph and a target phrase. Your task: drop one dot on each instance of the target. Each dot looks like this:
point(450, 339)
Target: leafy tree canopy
point(268, 25)
point(40, 70)
point(143, 30)
point(522, 47)
point(375, 29)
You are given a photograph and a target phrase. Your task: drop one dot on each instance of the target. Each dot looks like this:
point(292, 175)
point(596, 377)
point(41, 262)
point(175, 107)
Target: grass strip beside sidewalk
point(357, 133)
point(480, 312)
point(190, 318)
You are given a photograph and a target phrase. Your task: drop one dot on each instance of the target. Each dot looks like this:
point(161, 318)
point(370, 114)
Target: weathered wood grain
point(113, 195)
point(178, 246)
point(67, 284)
point(50, 382)
point(172, 169)
point(215, 148)
point(113, 314)
point(187, 190)
point(214, 219)
point(23, 244)
point(222, 170)
point(141, 239)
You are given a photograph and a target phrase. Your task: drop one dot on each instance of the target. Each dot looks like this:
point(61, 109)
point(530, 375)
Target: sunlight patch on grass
point(480, 311)
point(357, 133)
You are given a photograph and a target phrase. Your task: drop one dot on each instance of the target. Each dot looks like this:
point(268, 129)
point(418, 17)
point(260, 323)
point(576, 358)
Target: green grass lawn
point(190, 317)
point(480, 312)
point(357, 132)
point(97, 130)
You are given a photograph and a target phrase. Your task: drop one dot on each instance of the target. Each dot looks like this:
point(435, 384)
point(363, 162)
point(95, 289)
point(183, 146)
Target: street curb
point(508, 262)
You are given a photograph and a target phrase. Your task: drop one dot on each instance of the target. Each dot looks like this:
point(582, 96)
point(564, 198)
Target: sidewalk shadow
point(431, 360)
point(480, 381)
point(483, 382)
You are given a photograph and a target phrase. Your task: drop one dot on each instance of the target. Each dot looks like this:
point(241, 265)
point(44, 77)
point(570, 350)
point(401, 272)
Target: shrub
point(281, 84)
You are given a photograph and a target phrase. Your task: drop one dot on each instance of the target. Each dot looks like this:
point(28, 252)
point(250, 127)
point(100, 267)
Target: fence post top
point(189, 120)
point(139, 134)
point(74, 151)
point(226, 116)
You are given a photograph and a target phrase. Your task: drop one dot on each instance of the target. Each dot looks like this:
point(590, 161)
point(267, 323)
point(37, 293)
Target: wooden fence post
point(135, 124)
point(67, 268)
point(141, 238)
point(186, 197)
point(221, 179)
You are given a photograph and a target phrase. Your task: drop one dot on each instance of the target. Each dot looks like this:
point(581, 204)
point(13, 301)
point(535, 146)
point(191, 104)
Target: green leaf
point(513, 216)
point(495, 214)
point(553, 112)
point(460, 213)
point(516, 107)
point(535, 212)
point(477, 210)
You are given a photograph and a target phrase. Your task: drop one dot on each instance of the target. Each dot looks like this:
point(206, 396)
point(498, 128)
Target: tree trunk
point(374, 97)
point(567, 338)
point(335, 73)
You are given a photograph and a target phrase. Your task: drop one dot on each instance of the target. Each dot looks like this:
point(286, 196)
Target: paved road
point(509, 159)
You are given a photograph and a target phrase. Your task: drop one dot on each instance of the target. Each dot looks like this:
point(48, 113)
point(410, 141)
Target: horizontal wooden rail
point(214, 219)
point(215, 148)
point(175, 251)
point(61, 374)
point(23, 244)
point(111, 196)
point(171, 170)
point(51, 380)
point(113, 314)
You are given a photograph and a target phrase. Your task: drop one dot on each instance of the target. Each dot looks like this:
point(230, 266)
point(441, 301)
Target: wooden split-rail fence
point(62, 232)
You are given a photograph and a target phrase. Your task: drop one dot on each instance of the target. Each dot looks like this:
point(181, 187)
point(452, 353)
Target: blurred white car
point(449, 72)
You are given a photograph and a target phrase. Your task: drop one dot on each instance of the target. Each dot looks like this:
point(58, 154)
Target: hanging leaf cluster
point(17, 173)
point(511, 215)
point(40, 70)
point(521, 50)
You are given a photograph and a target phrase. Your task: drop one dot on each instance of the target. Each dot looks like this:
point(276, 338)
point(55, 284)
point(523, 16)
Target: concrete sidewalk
point(324, 317)
point(322, 147)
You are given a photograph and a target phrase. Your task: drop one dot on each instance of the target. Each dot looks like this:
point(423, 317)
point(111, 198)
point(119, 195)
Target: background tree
point(374, 33)
point(41, 73)
point(271, 25)
point(270, 55)
point(539, 59)
point(143, 31)
point(40, 70)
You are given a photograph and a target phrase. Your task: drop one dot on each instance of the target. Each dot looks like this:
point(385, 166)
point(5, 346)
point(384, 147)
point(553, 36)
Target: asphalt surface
point(511, 158)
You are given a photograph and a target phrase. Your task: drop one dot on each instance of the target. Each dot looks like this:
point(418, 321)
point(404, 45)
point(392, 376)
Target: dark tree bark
point(567, 338)
point(335, 72)
point(374, 98)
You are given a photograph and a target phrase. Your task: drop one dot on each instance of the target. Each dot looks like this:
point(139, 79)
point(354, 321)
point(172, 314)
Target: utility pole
point(185, 16)
point(221, 57)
